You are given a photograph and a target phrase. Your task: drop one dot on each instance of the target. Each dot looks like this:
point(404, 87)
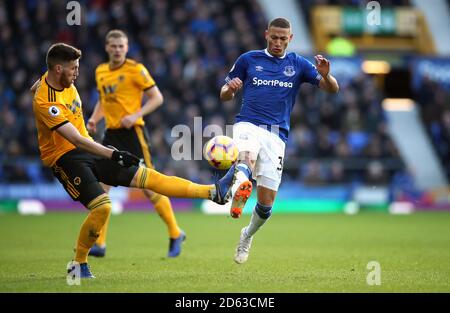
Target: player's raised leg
point(173, 186)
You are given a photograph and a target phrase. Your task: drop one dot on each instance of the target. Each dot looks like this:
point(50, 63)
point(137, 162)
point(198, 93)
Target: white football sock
point(255, 223)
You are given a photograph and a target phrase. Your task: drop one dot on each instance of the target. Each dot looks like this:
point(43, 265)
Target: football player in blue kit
point(270, 80)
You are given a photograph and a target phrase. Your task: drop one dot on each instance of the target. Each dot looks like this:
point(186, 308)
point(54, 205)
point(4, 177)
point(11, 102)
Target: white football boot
point(243, 248)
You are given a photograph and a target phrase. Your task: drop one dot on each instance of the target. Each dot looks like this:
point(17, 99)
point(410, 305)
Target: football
point(220, 152)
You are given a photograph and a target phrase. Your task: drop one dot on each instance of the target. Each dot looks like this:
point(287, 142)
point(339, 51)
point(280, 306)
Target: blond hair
point(115, 33)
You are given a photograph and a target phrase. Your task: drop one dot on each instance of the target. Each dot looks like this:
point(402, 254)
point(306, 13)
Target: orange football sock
point(100, 209)
point(172, 186)
point(101, 241)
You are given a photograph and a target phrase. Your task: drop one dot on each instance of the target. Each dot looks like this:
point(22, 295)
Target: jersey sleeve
point(239, 69)
point(143, 78)
point(52, 115)
point(310, 73)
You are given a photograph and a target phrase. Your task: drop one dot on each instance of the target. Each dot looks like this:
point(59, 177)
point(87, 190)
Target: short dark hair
point(115, 33)
point(60, 53)
point(279, 22)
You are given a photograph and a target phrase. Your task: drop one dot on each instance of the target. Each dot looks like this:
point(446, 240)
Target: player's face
point(277, 40)
point(69, 73)
point(117, 49)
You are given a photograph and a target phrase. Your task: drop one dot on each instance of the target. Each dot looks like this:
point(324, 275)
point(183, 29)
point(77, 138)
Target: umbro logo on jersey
point(289, 71)
point(259, 68)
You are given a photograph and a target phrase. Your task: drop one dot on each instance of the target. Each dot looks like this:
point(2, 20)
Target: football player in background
point(270, 79)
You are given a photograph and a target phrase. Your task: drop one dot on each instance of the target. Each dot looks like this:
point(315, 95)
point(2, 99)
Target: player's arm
point(96, 117)
point(228, 90)
point(237, 75)
point(154, 101)
point(70, 133)
point(328, 82)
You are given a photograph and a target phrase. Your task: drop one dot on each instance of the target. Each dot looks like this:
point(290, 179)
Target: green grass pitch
point(292, 253)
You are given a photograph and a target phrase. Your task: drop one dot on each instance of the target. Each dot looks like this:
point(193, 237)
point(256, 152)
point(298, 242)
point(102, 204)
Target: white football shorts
point(269, 149)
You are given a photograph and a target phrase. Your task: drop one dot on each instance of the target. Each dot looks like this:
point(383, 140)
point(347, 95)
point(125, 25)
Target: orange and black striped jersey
point(52, 109)
point(121, 90)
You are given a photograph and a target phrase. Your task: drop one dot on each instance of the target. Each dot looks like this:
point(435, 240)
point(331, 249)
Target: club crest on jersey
point(109, 89)
point(53, 110)
point(289, 71)
point(73, 106)
point(259, 68)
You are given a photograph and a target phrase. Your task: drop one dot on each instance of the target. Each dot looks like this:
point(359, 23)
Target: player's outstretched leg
point(223, 186)
point(241, 189)
point(173, 186)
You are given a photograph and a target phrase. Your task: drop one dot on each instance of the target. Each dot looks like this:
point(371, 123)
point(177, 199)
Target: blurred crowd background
point(189, 47)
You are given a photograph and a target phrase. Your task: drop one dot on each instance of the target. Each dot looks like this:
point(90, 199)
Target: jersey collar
point(59, 90)
point(267, 52)
point(109, 65)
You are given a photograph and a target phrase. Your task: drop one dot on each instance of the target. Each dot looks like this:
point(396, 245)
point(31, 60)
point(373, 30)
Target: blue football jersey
point(270, 86)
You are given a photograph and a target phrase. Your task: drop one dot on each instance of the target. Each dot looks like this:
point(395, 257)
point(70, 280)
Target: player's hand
point(91, 126)
point(128, 121)
point(322, 65)
point(125, 158)
point(235, 84)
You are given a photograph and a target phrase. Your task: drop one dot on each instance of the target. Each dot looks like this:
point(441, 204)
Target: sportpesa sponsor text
point(273, 83)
